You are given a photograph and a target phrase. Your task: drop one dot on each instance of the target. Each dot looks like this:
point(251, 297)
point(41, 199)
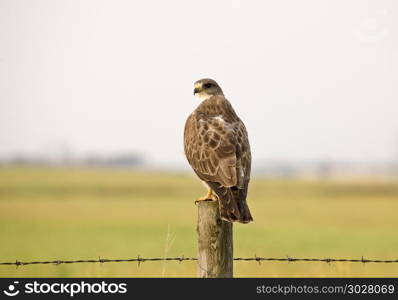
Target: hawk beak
point(195, 91)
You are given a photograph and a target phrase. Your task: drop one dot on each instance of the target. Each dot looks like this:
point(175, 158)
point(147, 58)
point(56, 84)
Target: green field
point(49, 214)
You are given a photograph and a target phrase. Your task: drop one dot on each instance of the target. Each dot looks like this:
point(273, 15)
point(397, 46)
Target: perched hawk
point(217, 147)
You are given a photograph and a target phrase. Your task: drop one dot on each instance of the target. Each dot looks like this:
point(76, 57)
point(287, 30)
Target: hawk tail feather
point(240, 196)
point(232, 203)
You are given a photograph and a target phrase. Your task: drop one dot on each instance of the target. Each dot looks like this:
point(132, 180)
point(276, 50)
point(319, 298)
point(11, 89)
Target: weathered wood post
point(215, 249)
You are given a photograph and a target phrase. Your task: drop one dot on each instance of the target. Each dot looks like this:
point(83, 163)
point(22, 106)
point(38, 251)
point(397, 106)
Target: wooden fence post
point(215, 248)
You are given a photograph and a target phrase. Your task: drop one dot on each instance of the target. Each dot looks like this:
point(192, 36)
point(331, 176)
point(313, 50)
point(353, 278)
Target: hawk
point(217, 148)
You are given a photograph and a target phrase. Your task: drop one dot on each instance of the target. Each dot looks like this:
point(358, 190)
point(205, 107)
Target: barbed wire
point(140, 260)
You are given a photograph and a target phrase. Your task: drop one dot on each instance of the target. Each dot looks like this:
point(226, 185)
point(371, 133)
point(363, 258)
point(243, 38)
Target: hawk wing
point(218, 149)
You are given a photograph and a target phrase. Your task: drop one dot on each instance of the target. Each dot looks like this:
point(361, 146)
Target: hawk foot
point(209, 197)
point(201, 199)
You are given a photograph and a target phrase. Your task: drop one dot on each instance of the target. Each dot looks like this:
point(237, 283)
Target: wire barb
point(258, 259)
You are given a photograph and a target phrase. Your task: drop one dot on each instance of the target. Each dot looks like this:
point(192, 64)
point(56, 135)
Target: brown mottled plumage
point(217, 147)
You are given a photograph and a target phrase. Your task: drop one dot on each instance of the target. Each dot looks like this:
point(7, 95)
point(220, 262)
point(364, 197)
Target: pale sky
point(311, 79)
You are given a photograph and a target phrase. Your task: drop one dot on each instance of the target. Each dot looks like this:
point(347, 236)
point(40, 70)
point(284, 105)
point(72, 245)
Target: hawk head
point(205, 88)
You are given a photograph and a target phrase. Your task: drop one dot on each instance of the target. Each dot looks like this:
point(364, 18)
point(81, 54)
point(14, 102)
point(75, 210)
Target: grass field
point(84, 214)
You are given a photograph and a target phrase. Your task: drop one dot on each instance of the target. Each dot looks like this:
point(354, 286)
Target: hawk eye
point(207, 85)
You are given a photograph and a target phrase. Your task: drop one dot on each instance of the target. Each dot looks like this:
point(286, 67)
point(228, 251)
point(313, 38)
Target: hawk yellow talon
point(209, 197)
point(201, 199)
